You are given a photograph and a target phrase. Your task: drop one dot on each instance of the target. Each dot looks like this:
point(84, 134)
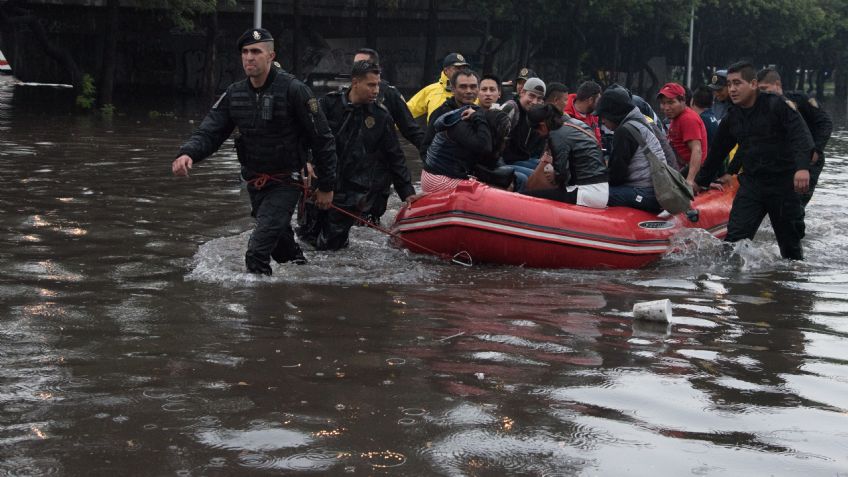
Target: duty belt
point(262, 179)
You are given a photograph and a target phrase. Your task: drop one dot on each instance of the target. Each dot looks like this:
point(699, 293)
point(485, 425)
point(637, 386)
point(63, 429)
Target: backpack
point(671, 156)
point(672, 191)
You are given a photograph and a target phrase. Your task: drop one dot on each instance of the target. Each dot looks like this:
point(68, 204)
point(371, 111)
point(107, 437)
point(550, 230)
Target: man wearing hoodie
point(433, 95)
point(581, 104)
point(629, 169)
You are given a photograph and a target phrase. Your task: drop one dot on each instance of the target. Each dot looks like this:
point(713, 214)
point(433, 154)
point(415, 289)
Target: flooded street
point(132, 343)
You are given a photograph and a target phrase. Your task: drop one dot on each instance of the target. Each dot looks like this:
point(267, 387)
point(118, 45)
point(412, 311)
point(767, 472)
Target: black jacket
point(365, 136)
point(524, 142)
point(449, 105)
point(391, 98)
point(460, 145)
point(773, 141)
point(818, 121)
point(578, 159)
point(277, 123)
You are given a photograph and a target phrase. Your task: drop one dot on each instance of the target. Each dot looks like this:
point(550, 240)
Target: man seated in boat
point(579, 173)
point(524, 147)
point(466, 84)
point(557, 94)
point(629, 170)
point(468, 142)
point(490, 91)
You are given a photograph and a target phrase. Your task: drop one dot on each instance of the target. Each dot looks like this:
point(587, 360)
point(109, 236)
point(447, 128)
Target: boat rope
point(462, 258)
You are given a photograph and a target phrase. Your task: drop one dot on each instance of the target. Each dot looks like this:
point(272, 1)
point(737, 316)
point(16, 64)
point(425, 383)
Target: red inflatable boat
point(495, 226)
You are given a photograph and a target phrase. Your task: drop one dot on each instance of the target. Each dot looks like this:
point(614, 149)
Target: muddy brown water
point(132, 343)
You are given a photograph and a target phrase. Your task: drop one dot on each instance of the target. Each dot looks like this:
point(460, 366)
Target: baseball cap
point(535, 85)
point(671, 91)
point(454, 59)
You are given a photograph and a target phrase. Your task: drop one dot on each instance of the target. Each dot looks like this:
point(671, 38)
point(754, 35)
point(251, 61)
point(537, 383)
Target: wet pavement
point(132, 343)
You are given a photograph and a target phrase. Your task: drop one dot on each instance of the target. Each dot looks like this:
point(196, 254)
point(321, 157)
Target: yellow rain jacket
point(429, 98)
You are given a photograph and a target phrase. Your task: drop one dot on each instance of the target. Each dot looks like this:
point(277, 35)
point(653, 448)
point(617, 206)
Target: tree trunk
point(429, 70)
point(297, 43)
point(524, 42)
point(820, 84)
point(802, 78)
point(110, 53)
point(371, 25)
point(840, 84)
point(789, 77)
point(210, 85)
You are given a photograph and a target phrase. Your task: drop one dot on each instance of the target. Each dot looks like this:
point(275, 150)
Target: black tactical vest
point(270, 139)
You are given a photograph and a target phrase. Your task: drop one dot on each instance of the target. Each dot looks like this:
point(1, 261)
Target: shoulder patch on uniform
point(791, 104)
point(813, 102)
point(217, 103)
point(313, 105)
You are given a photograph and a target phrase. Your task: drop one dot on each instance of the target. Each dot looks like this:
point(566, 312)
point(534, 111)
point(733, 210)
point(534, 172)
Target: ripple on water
point(525, 343)
point(496, 453)
point(48, 270)
point(254, 440)
point(29, 466)
point(369, 259)
point(505, 358)
point(463, 415)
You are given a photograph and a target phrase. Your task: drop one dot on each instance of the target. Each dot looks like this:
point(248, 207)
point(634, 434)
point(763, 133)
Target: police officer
point(775, 149)
point(524, 74)
point(433, 95)
point(365, 137)
point(395, 104)
point(277, 119)
point(718, 85)
point(817, 120)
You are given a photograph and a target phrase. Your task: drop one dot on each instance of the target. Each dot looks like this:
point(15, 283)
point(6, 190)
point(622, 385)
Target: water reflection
point(133, 340)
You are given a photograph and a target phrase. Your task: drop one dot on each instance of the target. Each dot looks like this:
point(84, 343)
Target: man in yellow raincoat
point(432, 96)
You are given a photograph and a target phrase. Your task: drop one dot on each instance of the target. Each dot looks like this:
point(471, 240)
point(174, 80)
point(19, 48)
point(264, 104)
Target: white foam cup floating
point(658, 310)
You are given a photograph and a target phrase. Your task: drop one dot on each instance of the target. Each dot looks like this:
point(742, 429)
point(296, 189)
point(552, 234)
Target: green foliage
point(107, 110)
point(87, 93)
point(184, 12)
point(153, 114)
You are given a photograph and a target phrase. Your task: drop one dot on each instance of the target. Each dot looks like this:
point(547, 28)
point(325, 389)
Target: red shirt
point(686, 127)
point(590, 119)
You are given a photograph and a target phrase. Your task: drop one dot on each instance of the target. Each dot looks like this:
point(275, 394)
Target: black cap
point(525, 74)
point(614, 104)
point(454, 59)
point(254, 35)
point(719, 80)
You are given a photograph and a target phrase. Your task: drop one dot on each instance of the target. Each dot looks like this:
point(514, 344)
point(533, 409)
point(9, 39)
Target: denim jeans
point(642, 198)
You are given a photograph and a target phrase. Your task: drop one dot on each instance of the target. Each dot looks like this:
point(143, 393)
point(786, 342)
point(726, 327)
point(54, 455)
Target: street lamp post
point(691, 41)
point(257, 14)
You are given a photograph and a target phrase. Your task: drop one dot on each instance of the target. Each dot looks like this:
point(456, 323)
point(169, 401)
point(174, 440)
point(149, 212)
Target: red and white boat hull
point(495, 226)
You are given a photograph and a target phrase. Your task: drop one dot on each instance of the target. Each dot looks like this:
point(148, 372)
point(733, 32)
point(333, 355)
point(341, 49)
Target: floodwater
point(131, 342)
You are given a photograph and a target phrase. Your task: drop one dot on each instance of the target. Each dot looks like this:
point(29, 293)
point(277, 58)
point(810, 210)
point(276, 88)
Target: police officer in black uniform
point(817, 120)
point(775, 150)
point(395, 104)
point(277, 119)
point(524, 74)
point(365, 139)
